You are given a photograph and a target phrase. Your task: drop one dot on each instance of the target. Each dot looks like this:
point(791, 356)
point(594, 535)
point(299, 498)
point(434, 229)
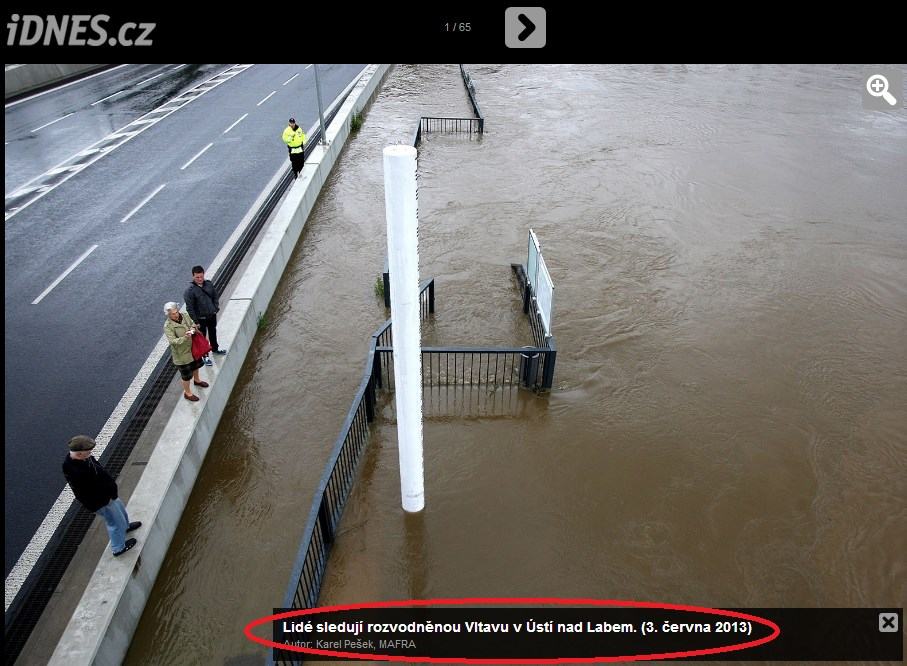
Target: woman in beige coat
point(179, 329)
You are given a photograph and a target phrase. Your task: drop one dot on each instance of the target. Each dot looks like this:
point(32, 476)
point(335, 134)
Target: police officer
point(294, 137)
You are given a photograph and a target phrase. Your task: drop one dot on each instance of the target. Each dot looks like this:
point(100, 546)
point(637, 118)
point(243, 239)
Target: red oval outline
point(556, 601)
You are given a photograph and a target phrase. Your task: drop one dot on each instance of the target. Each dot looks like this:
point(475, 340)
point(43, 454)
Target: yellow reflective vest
point(294, 138)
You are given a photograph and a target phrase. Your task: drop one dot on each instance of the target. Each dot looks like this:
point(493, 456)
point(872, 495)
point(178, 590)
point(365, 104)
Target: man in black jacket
point(202, 305)
point(97, 491)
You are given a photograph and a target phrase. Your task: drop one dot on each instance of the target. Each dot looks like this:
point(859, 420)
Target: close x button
point(525, 27)
point(888, 622)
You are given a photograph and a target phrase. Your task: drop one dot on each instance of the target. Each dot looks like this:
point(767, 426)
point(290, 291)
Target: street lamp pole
point(320, 108)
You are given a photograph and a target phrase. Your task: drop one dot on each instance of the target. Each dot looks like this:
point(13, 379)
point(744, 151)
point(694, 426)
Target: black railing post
point(527, 297)
point(529, 367)
point(376, 369)
point(370, 399)
point(387, 288)
point(431, 297)
point(548, 376)
point(327, 529)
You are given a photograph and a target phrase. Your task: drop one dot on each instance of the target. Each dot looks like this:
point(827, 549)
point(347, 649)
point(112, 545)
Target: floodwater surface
point(728, 428)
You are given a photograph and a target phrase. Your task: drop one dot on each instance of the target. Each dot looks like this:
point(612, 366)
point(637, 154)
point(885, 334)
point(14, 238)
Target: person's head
point(172, 310)
point(293, 123)
point(80, 447)
point(198, 275)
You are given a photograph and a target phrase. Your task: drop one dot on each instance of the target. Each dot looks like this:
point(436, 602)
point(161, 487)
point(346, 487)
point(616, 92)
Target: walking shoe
point(208, 361)
point(190, 398)
point(129, 544)
point(221, 351)
point(134, 526)
point(202, 384)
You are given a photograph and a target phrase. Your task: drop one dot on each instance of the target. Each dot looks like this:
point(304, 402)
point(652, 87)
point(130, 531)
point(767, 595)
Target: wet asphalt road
point(70, 357)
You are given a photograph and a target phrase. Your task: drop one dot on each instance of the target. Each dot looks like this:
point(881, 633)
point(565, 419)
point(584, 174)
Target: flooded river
point(728, 425)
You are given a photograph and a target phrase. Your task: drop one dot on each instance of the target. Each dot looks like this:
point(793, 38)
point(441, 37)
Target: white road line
point(19, 573)
point(307, 66)
point(177, 67)
point(182, 100)
point(274, 92)
point(196, 157)
point(236, 123)
point(108, 97)
point(291, 78)
point(64, 274)
point(65, 85)
point(146, 200)
point(52, 122)
point(33, 551)
point(151, 79)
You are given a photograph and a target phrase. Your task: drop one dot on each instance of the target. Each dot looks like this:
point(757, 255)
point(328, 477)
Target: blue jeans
point(114, 514)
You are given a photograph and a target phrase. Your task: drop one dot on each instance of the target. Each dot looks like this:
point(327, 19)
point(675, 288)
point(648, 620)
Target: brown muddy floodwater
point(729, 422)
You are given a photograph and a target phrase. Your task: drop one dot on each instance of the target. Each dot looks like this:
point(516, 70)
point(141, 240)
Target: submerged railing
point(486, 369)
point(468, 126)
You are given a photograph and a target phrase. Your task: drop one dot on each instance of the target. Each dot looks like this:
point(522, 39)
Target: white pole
point(403, 263)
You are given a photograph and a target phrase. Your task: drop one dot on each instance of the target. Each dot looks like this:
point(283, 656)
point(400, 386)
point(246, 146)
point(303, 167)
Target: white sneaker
point(208, 361)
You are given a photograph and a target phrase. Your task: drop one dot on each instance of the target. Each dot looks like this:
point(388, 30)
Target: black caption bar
point(535, 634)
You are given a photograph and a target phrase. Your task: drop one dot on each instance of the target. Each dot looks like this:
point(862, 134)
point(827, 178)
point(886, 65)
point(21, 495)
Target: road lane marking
point(274, 92)
point(146, 200)
point(151, 79)
point(65, 85)
point(35, 548)
point(236, 123)
point(108, 97)
point(12, 200)
point(52, 122)
point(291, 78)
point(199, 154)
point(307, 66)
point(177, 67)
point(64, 274)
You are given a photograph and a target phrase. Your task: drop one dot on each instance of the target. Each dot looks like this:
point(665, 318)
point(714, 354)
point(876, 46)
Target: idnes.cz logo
point(75, 30)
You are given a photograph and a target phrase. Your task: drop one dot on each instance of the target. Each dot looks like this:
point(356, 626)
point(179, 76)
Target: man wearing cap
point(97, 491)
point(294, 137)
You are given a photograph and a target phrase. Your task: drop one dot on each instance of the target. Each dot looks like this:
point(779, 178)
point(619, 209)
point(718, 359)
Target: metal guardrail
point(455, 125)
point(36, 592)
point(337, 480)
point(490, 367)
point(530, 367)
point(471, 91)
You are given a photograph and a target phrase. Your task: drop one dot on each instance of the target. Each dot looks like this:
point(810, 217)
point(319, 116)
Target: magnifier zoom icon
point(877, 86)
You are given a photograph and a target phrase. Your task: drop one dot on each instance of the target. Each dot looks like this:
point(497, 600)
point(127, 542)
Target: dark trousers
point(296, 161)
point(208, 327)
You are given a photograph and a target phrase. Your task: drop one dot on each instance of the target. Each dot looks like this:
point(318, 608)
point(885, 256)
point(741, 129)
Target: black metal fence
point(337, 480)
point(530, 367)
point(450, 125)
point(469, 126)
point(485, 369)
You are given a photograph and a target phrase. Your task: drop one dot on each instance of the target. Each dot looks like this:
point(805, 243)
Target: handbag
point(200, 345)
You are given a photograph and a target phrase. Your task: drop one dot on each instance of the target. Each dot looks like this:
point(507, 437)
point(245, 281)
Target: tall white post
point(403, 264)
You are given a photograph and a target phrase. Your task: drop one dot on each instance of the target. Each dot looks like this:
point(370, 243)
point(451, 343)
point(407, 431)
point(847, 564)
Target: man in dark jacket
point(97, 491)
point(202, 306)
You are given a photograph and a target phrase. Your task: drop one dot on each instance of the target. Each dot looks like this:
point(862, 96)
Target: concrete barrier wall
point(102, 625)
point(22, 78)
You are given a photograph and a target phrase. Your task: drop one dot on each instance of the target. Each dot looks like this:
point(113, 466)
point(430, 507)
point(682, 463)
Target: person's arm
point(214, 297)
point(177, 342)
point(191, 301)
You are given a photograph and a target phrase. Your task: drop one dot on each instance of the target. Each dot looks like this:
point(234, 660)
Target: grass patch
point(262, 320)
point(379, 287)
point(355, 123)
